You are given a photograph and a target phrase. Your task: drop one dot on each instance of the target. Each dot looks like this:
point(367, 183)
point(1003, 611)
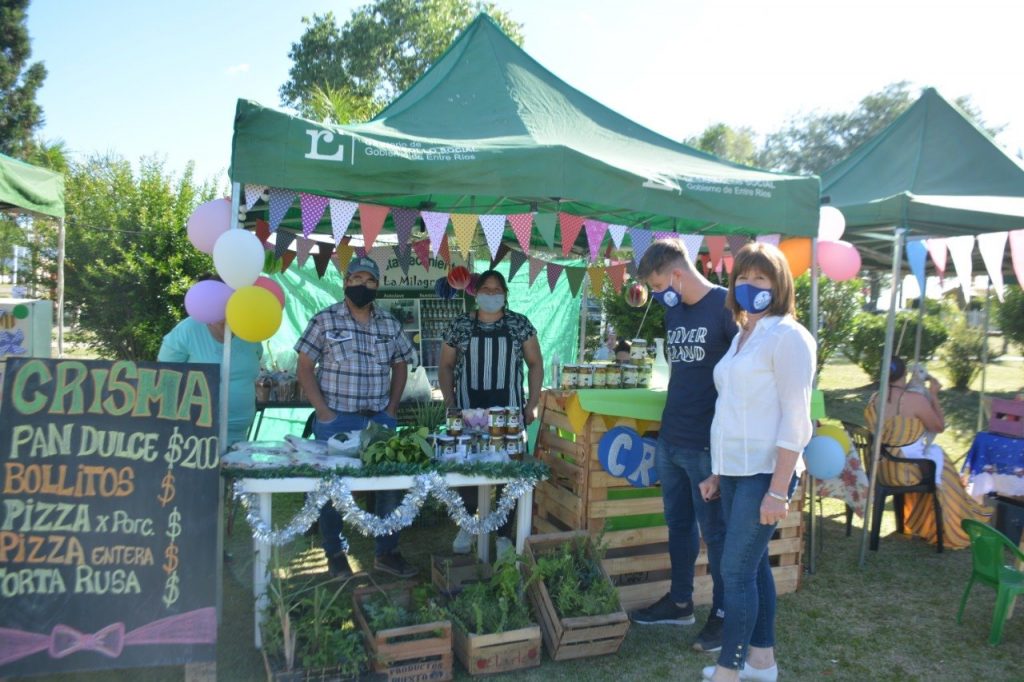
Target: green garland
point(530, 469)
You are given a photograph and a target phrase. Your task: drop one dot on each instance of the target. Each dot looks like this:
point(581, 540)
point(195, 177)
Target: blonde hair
point(771, 262)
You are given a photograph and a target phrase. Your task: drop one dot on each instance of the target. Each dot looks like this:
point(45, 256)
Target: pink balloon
point(206, 301)
point(474, 279)
point(208, 222)
point(839, 260)
point(271, 286)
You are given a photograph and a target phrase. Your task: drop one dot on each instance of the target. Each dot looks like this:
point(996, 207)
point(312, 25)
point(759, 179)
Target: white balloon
point(831, 224)
point(238, 257)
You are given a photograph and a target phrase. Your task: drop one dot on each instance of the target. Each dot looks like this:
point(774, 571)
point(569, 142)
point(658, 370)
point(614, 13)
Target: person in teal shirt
point(193, 341)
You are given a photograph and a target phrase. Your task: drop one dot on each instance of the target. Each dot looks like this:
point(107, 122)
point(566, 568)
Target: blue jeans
point(385, 501)
point(681, 470)
point(749, 585)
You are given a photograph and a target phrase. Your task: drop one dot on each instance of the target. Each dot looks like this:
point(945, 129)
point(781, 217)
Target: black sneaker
point(395, 564)
point(664, 612)
point(710, 638)
point(337, 566)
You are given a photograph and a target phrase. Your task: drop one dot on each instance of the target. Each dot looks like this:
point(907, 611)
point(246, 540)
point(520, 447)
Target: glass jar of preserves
point(496, 421)
point(629, 376)
point(585, 377)
point(638, 350)
point(453, 422)
point(514, 447)
point(613, 376)
point(512, 421)
point(445, 446)
point(568, 377)
point(600, 376)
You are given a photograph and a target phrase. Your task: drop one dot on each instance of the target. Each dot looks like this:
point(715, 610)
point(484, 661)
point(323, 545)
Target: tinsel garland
point(526, 469)
point(336, 491)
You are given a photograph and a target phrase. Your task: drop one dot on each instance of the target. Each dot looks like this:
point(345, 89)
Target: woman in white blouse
point(762, 423)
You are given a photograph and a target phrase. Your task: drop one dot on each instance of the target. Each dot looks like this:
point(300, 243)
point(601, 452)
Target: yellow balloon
point(798, 254)
point(253, 313)
point(836, 432)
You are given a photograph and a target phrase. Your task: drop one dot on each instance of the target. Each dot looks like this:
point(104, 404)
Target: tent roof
point(931, 170)
point(30, 188)
point(489, 130)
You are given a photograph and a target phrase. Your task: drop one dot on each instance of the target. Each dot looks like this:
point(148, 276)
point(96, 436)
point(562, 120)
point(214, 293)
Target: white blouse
point(764, 398)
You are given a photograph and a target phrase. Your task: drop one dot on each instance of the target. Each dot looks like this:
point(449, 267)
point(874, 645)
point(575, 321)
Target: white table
point(264, 488)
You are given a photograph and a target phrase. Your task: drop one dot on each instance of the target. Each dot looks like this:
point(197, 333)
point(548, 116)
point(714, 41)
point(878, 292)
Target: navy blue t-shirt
point(696, 338)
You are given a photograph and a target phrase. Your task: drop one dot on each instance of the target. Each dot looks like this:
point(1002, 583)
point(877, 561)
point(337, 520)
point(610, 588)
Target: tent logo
point(315, 137)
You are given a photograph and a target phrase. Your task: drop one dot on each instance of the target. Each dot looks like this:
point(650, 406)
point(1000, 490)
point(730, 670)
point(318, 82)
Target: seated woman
point(907, 416)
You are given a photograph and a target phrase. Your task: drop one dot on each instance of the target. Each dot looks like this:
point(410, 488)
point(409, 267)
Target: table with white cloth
point(995, 463)
point(264, 489)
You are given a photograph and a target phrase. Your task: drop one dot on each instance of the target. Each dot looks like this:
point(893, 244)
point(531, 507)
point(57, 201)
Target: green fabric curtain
point(30, 188)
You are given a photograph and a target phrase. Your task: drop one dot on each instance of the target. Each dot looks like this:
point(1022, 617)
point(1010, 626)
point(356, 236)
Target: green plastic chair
point(988, 552)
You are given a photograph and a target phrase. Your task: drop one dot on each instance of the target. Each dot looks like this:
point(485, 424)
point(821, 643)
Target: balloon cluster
point(251, 304)
point(825, 455)
point(838, 260)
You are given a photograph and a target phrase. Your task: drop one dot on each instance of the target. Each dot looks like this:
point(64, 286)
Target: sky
point(162, 78)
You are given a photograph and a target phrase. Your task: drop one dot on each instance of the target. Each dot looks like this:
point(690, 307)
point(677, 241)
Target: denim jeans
point(749, 585)
point(385, 501)
point(680, 471)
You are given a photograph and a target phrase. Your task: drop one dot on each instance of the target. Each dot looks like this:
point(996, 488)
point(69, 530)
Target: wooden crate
point(567, 638)
point(450, 573)
point(1007, 417)
point(498, 653)
point(407, 654)
point(576, 497)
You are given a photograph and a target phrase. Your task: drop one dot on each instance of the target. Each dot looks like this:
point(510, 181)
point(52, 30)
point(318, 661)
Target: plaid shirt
point(353, 361)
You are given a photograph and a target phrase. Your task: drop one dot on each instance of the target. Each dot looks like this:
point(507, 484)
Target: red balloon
point(271, 286)
point(459, 277)
point(636, 295)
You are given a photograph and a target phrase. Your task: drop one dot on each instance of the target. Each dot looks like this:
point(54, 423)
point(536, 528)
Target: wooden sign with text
point(109, 482)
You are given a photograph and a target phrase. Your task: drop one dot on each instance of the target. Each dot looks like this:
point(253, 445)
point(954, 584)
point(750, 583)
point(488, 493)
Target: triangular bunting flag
point(728, 260)
point(436, 224)
point(917, 252)
point(772, 239)
point(403, 254)
point(313, 208)
point(516, 261)
point(341, 216)
point(596, 275)
point(617, 275)
point(381, 258)
point(286, 260)
point(422, 249)
point(371, 220)
point(343, 256)
point(692, 243)
point(595, 235)
point(536, 265)
point(716, 248)
point(464, 225)
point(661, 235)
point(263, 231)
point(617, 232)
point(571, 226)
point(1017, 254)
point(284, 240)
point(554, 272)
point(641, 239)
point(445, 252)
point(500, 256)
point(253, 194)
point(545, 223)
point(993, 247)
point(736, 242)
point(522, 227)
point(361, 251)
point(960, 249)
point(405, 220)
point(575, 277)
point(322, 258)
point(937, 250)
point(302, 248)
point(494, 227)
point(280, 201)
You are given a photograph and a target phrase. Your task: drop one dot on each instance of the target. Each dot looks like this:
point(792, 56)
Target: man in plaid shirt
point(352, 367)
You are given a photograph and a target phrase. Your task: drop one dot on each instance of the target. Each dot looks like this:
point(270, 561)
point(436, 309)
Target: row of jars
point(512, 445)
point(636, 374)
point(277, 387)
point(501, 421)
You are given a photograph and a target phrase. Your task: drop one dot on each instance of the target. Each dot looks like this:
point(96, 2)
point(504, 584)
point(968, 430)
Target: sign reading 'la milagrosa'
point(109, 475)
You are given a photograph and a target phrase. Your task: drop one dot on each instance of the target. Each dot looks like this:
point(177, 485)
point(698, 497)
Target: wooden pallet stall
point(628, 520)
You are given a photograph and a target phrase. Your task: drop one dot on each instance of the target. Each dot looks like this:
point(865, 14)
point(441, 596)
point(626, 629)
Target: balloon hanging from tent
point(271, 286)
point(443, 290)
point(824, 457)
point(474, 282)
point(831, 223)
point(459, 277)
point(206, 301)
point(253, 313)
point(207, 223)
point(839, 260)
point(836, 432)
point(798, 254)
point(238, 256)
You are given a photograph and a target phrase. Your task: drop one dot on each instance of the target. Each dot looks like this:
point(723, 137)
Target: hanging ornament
point(636, 295)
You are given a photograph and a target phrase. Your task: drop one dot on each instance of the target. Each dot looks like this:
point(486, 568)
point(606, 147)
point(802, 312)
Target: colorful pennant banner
point(341, 217)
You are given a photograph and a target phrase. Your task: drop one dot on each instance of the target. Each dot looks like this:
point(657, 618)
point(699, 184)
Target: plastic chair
point(988, 566)
point(861, 439)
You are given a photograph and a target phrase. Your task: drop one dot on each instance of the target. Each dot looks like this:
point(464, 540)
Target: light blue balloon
point(824, 457)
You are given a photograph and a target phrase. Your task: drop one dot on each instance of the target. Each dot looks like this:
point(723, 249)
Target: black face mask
point(360, 295)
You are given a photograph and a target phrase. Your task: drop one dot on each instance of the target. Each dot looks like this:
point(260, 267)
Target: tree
point(838, 305)
point(20, 114)
point(1011, 315)
point(381, 50)
point(815, 142)
point(128, 259)
point(734, 144)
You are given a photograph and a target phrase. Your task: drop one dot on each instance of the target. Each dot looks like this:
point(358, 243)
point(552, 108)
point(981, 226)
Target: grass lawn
point(892, 620)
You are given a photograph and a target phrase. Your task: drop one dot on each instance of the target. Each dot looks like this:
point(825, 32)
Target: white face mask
point(490, 303)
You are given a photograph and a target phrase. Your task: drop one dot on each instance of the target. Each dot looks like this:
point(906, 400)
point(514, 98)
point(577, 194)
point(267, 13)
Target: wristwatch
point(775, 496)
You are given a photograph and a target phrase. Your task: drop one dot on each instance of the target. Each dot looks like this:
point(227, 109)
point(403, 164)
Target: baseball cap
point(363, 264)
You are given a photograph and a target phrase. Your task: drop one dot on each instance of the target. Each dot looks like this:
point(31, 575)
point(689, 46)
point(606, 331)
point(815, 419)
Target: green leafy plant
point(496, 605)
point(388, 610)
point(575, 581)
point(429, 414)
point(962, 352)
point(406, 446)
point(868, 341)
point(838, 306)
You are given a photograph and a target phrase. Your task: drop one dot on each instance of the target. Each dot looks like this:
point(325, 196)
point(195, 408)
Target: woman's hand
point(709, 488)
point(529, 412)
point(773, 510)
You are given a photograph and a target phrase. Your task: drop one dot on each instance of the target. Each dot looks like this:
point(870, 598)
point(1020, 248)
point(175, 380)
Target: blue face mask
point(753, 299)
point(490, 303)
point(668, 296)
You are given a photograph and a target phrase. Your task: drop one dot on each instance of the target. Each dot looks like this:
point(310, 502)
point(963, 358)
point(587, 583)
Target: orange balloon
point(798, 254)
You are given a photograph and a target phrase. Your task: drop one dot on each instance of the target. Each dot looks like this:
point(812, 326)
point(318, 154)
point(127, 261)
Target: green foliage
point(496, 605)
point(1011, 314)
point(626, 319)
point(385, 610)
point(962, 351)
point(20, 114)
point(128, 259)
point(868, 342)
point(838, 305)
point(733, 144)
point(380, 51)
point(572, 574)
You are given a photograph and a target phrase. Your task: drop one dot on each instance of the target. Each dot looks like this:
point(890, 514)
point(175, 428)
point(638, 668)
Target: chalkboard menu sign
point(109, 480)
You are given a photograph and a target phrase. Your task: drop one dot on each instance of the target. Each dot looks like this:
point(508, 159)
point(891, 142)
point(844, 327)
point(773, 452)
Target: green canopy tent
point(25, 188)
point(931, 173)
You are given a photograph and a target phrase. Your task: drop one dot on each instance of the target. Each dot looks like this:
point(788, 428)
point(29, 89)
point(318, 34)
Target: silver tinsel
point(336, 491)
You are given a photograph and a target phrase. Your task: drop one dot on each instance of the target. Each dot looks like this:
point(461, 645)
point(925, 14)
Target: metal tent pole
point(815, 522)
point(984, 357)
point(60, 288)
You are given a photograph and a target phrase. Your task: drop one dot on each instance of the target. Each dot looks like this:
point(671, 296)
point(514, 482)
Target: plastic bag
point(417, 387)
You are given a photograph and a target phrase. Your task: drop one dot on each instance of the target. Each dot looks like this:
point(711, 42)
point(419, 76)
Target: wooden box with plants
point(491, 624)
point(408, 634)
point(576, 604)
point(451, 573)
